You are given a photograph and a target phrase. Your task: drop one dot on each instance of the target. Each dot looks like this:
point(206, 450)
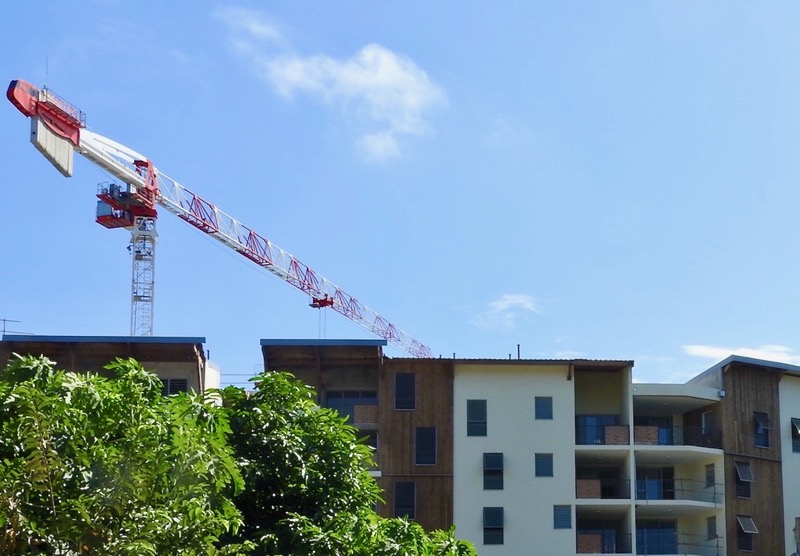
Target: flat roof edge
point(334, 343)
point(106, 339)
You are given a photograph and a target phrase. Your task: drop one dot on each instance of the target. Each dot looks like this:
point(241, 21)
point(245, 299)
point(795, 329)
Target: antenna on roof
point(5, 324)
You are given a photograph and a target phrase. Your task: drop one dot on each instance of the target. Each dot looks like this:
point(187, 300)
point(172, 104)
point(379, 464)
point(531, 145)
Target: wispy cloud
point(389, 95)
point(504, 312)
point(770, 352)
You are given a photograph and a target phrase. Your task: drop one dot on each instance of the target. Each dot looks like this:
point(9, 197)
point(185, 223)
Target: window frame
point(562, 516)
point(761, 428)
point(407, 401)
point(711, 527)
point(795, 425)
point(542, 463)
point(477, 417)
point(543, 408)
point(744, 479)
point(711, 475)
point(493, 525)
point(706, 423)
point(492, 471)
point(173, 386)
point(396, 501)
point(745, 531)
point(425, 457)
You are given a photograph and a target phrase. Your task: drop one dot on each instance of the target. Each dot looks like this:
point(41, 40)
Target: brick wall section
point(364, 414)
point(590, 543)
point(616, 435)
point(645, 435)
point(587, 488)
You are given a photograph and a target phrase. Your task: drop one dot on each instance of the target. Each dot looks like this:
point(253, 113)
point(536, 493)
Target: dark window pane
point(562, 517)
point(544, 465)
point(476, 418)
point(404, 499)
point(405, 391)
point(544, 407)
point(425, 446)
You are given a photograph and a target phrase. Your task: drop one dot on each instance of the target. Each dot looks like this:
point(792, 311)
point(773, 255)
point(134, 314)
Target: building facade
point(538, 456)
point(179, 362)
point(572, 456)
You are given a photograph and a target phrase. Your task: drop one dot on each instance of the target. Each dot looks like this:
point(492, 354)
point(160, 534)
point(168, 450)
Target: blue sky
point(585, 179)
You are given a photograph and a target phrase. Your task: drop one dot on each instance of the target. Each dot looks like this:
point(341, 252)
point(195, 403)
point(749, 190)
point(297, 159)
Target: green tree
point(308, 489)
point(92, 465)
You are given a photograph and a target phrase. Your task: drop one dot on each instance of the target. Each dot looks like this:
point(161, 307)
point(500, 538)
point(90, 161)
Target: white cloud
point(504, 312)
point(769, 352)
point(389, 95)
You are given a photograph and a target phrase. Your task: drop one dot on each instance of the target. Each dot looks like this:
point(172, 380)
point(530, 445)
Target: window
point(591, 429)
point(405, 499)
point(711, 527)
point(655, 483)
point(493, 471)
point(543, 407)
point(425, 446)
point(711, 479)
point(492, 525)
point(706, 422)
point(761, 427)
point(795, 435)
point(476, 417)
point(405, 395)
point(747, 528)
point(562, 517)
point(657, 536)
point(345, 401)
point(544, 465)
point(744, 479)
point(172, 386)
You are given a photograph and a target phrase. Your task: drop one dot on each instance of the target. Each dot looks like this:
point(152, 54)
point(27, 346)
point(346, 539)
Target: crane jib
point(59, 130)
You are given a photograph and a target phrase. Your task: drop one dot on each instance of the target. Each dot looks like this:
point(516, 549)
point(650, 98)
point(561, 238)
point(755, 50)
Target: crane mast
point(58, 129)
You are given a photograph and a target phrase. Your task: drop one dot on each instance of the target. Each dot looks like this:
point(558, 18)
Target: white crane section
point(131, 205)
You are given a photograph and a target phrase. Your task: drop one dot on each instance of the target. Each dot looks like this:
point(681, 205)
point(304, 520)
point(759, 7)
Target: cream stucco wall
point(512, 429)
point(789, 399)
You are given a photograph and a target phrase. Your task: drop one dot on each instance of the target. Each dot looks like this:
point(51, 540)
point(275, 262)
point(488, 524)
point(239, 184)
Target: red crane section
point(132, 204)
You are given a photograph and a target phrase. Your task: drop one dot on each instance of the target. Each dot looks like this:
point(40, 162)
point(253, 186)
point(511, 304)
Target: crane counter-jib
point(58, 129)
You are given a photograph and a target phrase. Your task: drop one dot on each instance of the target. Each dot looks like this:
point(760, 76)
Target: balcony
point(650, 541)
point(608, 435)
point(652, 435)
point(603, 489)
point(602, 541)
point(679, 489)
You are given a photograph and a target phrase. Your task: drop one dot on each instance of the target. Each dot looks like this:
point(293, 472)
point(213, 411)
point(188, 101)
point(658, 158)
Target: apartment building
point(538, 456)
point(179, 362)
point(575, 457)
point(571, 456)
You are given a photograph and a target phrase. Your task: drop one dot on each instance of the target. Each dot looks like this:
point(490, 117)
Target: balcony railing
point(679, 489)
point(652, 435)
point(603, 541)
point(609, 435)
point(650, 541)
point(603, 488)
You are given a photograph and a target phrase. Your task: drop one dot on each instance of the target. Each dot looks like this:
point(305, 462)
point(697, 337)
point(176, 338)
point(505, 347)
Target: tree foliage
point(90, 465)
point(309, 491)
point(108, 466)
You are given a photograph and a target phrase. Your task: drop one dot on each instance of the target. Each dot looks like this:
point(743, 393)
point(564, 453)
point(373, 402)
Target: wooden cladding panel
point(434, 500)
point(765, 505)
point(749, 389)
point(434, 408)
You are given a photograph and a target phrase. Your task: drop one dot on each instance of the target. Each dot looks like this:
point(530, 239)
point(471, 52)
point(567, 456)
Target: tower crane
point(58, 129)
